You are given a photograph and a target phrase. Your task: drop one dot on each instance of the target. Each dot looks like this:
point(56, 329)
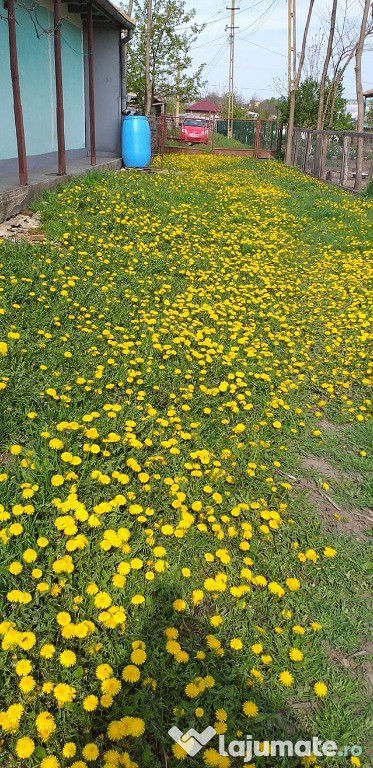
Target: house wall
point(106, 66)
point(205, 115)
point(37, 82)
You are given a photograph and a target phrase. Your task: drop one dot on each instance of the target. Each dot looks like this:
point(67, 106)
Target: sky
point(260, 45)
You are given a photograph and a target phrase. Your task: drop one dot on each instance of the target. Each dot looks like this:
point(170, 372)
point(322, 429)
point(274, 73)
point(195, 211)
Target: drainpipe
point(124, 39)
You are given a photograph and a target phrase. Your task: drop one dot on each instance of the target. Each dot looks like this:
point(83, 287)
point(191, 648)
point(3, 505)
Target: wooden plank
point(345, 160)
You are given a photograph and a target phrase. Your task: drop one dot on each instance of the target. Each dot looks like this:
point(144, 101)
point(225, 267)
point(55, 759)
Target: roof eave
point(115, 14)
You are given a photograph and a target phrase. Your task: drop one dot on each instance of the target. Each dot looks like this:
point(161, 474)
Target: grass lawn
point(219, 141)
point(225, 143)
point(185, 468)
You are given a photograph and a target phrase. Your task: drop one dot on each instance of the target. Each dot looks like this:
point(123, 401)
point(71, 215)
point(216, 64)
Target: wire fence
point(191, 134)
point(333, 156)
point(247, 132)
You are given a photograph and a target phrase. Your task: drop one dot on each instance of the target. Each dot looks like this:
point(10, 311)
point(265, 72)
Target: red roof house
point(204, 107)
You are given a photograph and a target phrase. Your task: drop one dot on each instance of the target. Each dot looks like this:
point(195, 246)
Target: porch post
point(91, 87)
point(18, 114)
point(59, 89)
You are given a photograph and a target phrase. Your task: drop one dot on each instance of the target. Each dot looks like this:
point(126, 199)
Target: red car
point(194, 130)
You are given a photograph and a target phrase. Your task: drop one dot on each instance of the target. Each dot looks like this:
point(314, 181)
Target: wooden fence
point(332, 155)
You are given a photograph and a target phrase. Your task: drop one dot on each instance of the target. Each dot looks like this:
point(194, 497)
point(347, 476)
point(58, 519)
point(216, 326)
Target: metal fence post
point(279, 137)
point(258, 137)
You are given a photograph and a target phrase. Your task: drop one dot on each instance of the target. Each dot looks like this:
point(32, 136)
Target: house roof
point(103, 10)
point(368, 94)
point(206, 105)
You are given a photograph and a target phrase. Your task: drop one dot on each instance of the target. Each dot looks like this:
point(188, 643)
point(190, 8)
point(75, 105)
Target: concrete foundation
point(14, 198)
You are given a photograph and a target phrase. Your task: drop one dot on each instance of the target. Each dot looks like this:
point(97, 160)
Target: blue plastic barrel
point(136, 143)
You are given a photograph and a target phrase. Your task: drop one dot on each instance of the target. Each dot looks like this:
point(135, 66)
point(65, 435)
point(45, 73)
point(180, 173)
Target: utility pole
point(292, 49)
point(177, 102)
point(148, 82)
point(232, 28)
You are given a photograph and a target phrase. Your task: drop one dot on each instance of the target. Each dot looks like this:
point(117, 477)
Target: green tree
point(267, 107)
point(307, 104)
point(239, 109)
point(173, 33)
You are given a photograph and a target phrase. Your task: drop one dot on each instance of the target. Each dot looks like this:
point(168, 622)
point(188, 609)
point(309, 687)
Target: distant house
point(204, 108)
point(368, 99)
point(351, 106)
point(62, 83)
point(159, 106)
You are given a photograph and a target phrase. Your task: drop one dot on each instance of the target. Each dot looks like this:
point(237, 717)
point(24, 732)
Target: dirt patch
point(352, 520)
point(359, 663)
point(302, 705)
point(326, 426)
point(325, 469)
point(6, 459)
point(24, 226)
point(345, 521)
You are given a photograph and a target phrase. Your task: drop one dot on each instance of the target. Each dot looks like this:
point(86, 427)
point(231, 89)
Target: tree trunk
point(289, 139)
point(359, 96)
point(129, 13)
point(334, 92)
point(319, 154)
point(148, 81)
point(320, 114)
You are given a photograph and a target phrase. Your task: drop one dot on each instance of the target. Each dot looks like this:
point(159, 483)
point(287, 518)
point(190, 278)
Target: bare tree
point(320, 114)
point(346, 38)
point(359, 95)
point(313, 57)
point(293, 92)
point(335, 82)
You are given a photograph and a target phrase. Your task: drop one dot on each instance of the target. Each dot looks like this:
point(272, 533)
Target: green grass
point(225, 143)
point(217, 140)
point(204, 321)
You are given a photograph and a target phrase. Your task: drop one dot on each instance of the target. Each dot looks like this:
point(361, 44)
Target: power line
point(204, 45)
point(211, 63)
point(270, 50)
point(262, 16)
point(216, 20)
